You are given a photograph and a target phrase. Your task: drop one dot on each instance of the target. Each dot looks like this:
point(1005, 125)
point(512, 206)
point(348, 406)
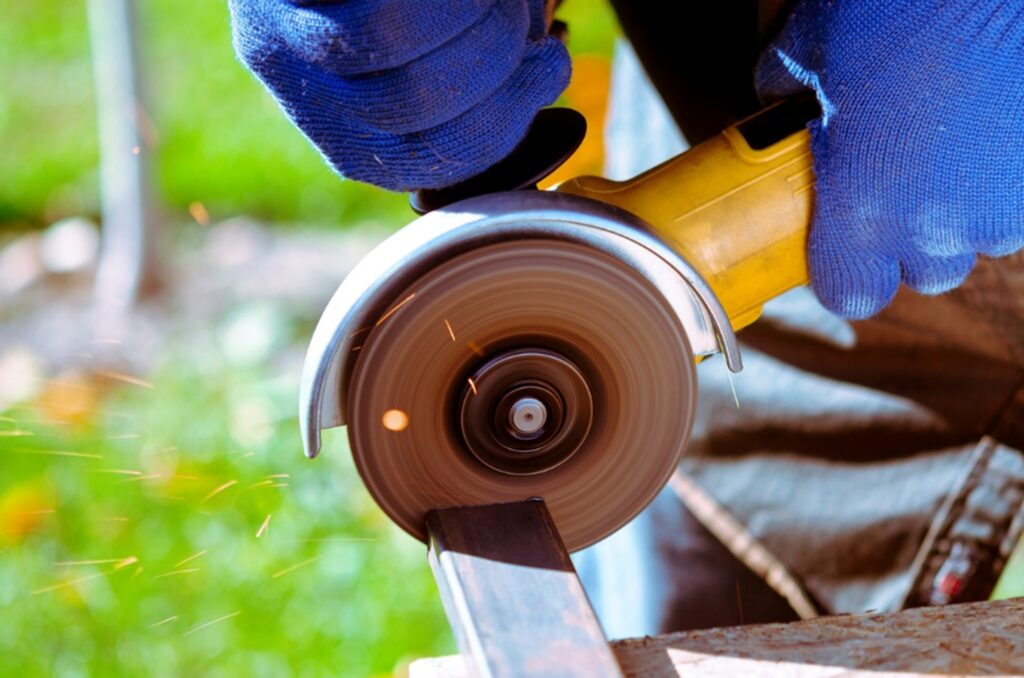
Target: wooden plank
point(512, 595)
point(977, 639)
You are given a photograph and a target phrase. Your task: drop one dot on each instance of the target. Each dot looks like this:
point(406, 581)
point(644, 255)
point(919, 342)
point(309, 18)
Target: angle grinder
point(515, 343)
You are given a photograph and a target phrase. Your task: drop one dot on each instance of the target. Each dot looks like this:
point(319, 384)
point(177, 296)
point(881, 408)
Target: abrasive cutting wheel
point(524, 368)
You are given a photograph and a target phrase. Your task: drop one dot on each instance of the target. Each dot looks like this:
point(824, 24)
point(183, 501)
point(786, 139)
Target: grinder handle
point(737, 206)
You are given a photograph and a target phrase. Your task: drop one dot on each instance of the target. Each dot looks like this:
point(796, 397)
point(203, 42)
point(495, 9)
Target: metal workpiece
point(512, 595)
point(387, 278)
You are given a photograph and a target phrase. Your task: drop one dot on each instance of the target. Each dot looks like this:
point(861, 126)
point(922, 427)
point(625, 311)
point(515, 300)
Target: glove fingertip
point(854, 285)
point(935, 275)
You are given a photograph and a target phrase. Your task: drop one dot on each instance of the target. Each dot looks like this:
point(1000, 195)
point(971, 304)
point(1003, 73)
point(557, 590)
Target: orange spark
point(451, 332)
point(310, 541)
point(126, 378)
point(175, 572)
point(105, 561)
point(148, 476)
point(218, 490)
point(472, 384)
point(191, 558)
point(211, 623)
point(162, 622)
point(263, 527)
point(395, 308)
point(475, 348)
point(294, 567)
point(199, 213)
point(71, 582)
point(62, 453)
point(395, 420)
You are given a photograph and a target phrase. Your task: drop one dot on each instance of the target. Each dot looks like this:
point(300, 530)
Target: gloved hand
point(919, 153)
point(405, 94)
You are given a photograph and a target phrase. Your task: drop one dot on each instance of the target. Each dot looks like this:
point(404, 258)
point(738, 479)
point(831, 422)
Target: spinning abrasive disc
point(528, 368)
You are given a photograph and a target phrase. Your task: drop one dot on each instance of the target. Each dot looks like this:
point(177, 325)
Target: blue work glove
point(405, 94)
point(919, 153)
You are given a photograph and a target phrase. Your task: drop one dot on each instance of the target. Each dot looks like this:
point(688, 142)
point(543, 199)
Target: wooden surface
point(979, 639)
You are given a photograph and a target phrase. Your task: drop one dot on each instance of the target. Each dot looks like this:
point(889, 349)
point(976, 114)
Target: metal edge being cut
point(374, 285)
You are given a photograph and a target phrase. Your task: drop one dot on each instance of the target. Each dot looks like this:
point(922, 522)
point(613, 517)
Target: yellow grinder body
point(544, 343)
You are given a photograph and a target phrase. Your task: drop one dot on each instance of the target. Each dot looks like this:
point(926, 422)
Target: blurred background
point(156, 514)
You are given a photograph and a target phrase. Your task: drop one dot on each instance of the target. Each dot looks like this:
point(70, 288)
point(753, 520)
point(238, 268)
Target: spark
point(244, 456)
point(218, 490)
point(277, 475)
point(326, 539)
point(395, 420)
point(71, 582)
point(261, 483)
point(395, 308)
point(119, 471)
point(451, 332)
point(130, 560)
point(211, 623)
point(15, 433)
point(294, 567)
point(176, 572)
point(63, 453)
point(199, 213)
point(472, 384)
point(278, 485)
point(475, 348)
point(104, 561)
point(732, 385)
point(263, 527)
point(191, 558)
point(162, 622)
point(126, 378)
point(148, 476)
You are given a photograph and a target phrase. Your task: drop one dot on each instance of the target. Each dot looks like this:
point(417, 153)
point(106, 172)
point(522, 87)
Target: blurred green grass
point(220, 138)
point(116, 546)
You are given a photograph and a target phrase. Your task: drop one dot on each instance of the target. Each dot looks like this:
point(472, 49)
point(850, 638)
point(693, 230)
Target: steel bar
point(512, 595)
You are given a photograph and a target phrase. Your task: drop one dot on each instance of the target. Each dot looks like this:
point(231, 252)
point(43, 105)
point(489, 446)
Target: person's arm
point(919, 154)
point(405, 94)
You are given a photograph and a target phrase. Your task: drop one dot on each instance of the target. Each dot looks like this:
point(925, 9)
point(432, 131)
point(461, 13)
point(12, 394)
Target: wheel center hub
point(525, 411)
